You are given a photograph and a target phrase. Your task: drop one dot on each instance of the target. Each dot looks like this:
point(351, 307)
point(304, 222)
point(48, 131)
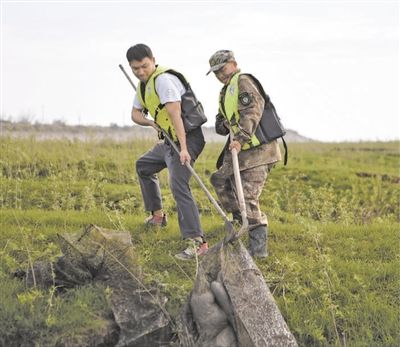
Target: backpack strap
point(286, 151)
point(260, 88)
point(142, 92)
point(180, 77)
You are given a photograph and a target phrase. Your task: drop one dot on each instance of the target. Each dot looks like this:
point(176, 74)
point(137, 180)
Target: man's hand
point(138, 117)
point(184, 157)
point(235, 144)
point(154, 125)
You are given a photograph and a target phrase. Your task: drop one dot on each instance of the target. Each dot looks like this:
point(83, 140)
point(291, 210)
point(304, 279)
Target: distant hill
point(58, 130)
point(291, 136)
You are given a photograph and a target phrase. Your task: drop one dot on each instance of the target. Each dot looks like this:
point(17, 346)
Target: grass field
point(334, 237)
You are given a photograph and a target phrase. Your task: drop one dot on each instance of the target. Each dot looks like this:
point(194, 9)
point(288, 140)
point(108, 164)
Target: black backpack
point(270, 127)
point(192, 110)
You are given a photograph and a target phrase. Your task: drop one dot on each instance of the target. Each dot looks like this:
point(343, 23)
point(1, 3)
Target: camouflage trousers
point(253, 181)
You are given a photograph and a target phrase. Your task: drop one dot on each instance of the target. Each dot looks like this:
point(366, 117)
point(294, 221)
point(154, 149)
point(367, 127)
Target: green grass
point(334, 237)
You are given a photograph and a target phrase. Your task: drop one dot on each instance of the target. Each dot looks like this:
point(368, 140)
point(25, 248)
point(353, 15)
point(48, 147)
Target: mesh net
point(104, 255)
point(231, 305)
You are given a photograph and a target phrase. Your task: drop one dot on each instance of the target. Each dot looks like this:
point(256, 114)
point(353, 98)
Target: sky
point(331, 68)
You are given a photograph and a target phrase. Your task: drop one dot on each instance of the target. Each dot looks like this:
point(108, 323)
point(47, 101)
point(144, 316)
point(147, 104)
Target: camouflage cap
point(219, 59)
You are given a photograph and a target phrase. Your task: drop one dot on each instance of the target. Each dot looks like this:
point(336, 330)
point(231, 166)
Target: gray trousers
point(162, 156)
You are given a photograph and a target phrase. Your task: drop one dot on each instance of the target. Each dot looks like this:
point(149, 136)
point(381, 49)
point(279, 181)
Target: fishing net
point(104, 255)
point(231, 305)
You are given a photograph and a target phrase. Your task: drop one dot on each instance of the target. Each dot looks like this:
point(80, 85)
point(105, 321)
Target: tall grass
point(334, 238)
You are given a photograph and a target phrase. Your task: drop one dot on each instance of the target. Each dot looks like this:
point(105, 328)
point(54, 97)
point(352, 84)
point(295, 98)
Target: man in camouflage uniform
point(240, 109)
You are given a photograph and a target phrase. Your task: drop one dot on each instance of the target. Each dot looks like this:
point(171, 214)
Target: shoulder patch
point(245, 99)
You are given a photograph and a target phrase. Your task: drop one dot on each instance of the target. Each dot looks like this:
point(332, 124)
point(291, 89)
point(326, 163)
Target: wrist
point(240, 140)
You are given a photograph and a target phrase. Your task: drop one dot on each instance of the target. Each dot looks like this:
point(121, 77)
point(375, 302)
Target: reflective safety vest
point(269, 128)
point(228, 106)
point(191, 109)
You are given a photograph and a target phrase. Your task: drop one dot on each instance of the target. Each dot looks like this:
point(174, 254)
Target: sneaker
point(154, 220)
point(195, 249)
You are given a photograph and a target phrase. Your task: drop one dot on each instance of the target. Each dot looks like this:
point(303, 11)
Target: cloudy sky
point(330, 67)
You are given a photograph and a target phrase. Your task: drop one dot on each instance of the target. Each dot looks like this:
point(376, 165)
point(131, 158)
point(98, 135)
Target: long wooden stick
point(239, 190)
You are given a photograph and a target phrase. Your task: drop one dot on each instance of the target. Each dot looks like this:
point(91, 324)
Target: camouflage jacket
point(250, 116)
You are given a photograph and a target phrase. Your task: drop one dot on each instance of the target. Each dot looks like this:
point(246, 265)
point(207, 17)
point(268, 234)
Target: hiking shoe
point(195, 249)
point(158, 221)
point(258, 242)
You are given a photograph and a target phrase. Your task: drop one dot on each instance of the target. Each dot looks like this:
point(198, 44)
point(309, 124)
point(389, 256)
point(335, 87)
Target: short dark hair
point(139, 52)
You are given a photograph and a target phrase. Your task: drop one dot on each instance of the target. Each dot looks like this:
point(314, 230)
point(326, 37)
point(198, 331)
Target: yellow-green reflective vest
point(229, 110)
point(152, 103)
